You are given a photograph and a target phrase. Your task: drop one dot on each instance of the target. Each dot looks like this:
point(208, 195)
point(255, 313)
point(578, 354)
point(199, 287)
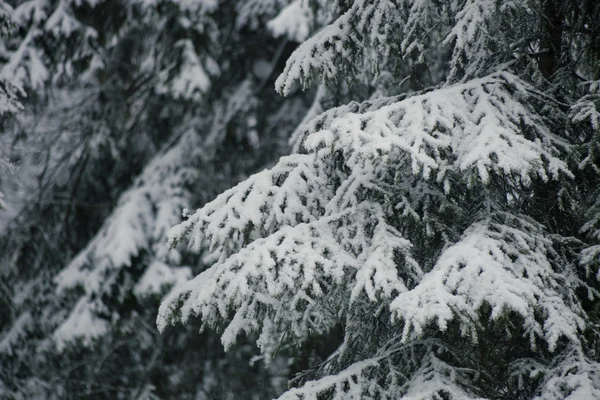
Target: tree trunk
point(552, 40)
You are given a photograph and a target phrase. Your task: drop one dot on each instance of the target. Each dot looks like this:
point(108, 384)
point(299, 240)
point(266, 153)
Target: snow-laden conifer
point(128, 103)
point(426, 225)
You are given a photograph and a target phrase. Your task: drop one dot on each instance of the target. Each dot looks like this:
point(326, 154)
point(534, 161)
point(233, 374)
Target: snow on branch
point(278, 237)
point(294, 21)
point(505, 263)
point(572, 376)
point(296, 276)
point(349, 384)
point(475, 38)
point(587, 108)
point(585, 119)
point(83, 323)
point(9, 90)
point(435, 379)
point(483, 125)
point(481, 35)
point(414, 372)
point(585, 125)
point(590, 257)
point(293, 192)
point(192, 77)
point(341, 47)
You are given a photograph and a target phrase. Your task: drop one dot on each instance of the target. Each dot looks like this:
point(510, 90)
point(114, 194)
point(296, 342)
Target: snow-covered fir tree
point(129, 105)
point(444, 236)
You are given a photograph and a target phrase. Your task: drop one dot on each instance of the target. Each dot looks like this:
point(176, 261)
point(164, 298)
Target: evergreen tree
point(447, 236)
point(130, 104)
